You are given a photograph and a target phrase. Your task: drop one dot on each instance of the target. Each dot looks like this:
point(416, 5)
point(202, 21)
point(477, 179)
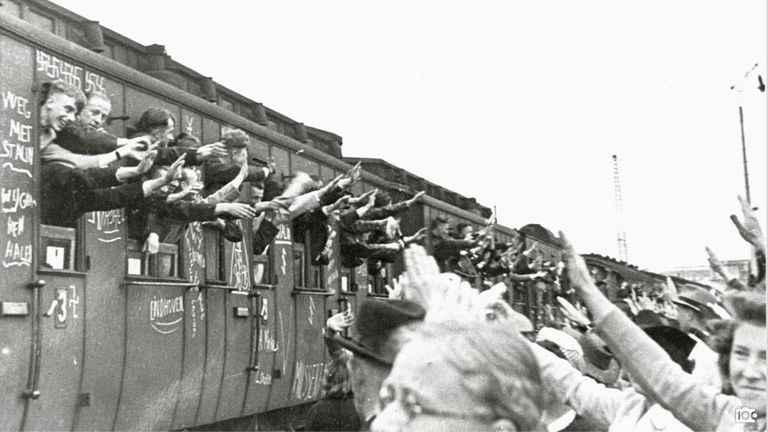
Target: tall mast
point(621, 234)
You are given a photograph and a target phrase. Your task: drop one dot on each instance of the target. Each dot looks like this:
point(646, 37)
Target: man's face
point(442, 228)
point(59, 110)
point(164, 134)
point(96, 112)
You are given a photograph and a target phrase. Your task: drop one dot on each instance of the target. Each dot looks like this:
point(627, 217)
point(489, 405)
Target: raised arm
point(586, 396)
point(79, 139)
point(231, 190)
point(700, 407)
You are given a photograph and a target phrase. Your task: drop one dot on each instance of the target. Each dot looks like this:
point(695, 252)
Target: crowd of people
point(446, 351)
point(166, 181)
point(443, 355)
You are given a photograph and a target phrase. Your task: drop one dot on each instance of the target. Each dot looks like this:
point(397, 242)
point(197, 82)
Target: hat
point(598, 361)
point(375, 323)
point(675, 342)
point(648, 318)
point(567, 344)
point(700, 300)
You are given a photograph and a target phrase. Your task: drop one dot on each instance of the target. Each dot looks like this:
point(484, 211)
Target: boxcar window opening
point(263, 269)
point(60, 247)
point(299, 265)
point(215, 269)
point(347, 280)
point(148, 233)
point(306, 274)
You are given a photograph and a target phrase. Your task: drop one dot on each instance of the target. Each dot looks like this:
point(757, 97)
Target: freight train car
point(96, 335)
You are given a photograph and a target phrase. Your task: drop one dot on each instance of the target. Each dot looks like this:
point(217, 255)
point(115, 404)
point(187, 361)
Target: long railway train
point(94, 335)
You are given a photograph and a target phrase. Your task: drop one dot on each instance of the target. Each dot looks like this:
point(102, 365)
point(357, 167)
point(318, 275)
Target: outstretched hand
point(395, 292)
point(749, 229)
point(146, 163)
point(340, 321)
point(236, 210)
point(137, 150)
point(212, 151)
point(581, 281)
point(417, 236)
point(174, 171)
point(416, 198)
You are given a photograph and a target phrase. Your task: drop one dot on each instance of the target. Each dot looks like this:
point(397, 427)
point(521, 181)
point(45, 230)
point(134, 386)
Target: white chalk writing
point(283, 235)
point(283, 261)
point(189, 127)
point(267, 342)
point(15, 226)
point(311, 312)
point(63, 305)
point(264, 310)
point(18, 152)
point(286, 337)
point(17, 254)
point(12, 200)
point(307, 381)
point(16, 103)
point(165, 315)
point(20, 131)
point(55, 67)
point(239, 274)
point(94, 83)
point(193, 238)
point(107, 224)
point(197, 309)
point(263, 378)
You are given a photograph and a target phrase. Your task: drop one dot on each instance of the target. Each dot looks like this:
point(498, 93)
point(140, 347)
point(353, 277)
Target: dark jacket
point(386, 211)
point(85, 140)
point(218, 173)
point(88, 141)
point(159, 217)
point(316, 223)
point(446, 250)
point(67, 193)
point(333, 414)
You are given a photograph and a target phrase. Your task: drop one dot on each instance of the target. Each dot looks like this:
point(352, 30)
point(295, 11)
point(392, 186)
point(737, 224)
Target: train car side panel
point(17, 183)
point(154, 350)
point(214, 361)
point(61, 357)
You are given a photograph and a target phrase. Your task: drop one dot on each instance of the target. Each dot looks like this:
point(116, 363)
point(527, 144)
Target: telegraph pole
point(738, 88)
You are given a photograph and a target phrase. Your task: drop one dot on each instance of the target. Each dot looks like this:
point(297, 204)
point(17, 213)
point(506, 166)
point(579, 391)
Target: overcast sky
point(519, 104)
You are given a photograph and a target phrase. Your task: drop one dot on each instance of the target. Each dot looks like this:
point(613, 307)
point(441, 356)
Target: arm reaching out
point(231, 190)
point(750, 229)
point(174, 171)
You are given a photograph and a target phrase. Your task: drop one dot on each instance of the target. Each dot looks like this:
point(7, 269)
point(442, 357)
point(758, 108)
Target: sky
point(519, 104)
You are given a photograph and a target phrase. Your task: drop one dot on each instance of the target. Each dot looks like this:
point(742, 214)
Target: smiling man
point(59, 103)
